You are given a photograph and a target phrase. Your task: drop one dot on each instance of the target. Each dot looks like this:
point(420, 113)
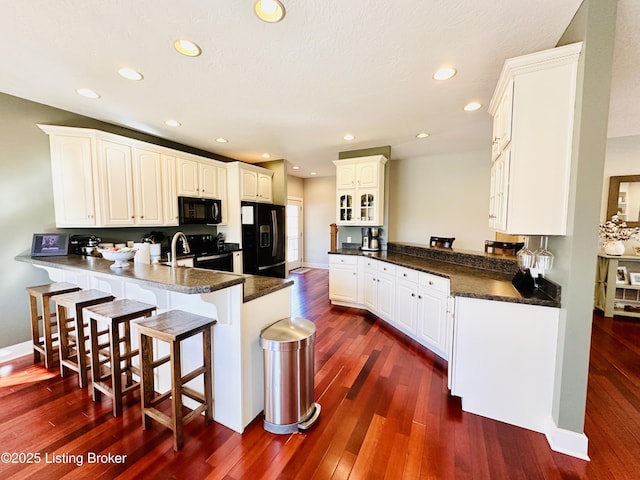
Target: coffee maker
point(370, 239)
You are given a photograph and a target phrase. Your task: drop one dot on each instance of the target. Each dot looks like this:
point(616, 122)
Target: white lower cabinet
point(414, 302)
point(504, 359)
point(432, 320)
point(343, 278)
point(406, 317)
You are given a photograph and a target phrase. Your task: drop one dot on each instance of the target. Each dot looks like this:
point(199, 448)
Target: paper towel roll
point(155, 249)
point(143, 254)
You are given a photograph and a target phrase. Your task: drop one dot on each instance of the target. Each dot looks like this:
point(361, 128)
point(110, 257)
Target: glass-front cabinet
point(345, 207)
point(360, 190)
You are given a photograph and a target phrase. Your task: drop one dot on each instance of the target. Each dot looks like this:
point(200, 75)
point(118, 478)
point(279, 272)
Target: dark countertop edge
point(446, 270)
point(219, 285)
point(272, 285)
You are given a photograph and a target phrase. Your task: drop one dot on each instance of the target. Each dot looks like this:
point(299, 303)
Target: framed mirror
point(624, 199)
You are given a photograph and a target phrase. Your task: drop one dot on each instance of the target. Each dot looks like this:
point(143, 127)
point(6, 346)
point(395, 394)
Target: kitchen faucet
point(185, 247)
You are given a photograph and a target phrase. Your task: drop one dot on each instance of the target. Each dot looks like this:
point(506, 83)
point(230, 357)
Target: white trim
point(324, 266)
point(15, 351)
point(568, 442)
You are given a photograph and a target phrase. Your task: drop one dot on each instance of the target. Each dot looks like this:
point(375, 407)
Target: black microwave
point(199, 210)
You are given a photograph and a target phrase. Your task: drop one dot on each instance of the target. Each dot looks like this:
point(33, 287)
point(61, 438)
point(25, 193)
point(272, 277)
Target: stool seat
point(116, 351)
point(42, 294)
point(71, 330)
point(173, 327)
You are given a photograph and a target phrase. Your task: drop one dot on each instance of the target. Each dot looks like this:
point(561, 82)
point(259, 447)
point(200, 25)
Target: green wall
point(27, 200)
point(574, 268)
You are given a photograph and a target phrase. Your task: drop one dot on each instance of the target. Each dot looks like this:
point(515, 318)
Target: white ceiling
point(294, 88)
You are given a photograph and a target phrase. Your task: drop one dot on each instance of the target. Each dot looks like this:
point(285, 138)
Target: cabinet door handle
point(404, 274)
point(413, 294)
point(419, 297)
point(430, 282)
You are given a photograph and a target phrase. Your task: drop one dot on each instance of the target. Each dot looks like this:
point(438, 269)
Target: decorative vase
point(614, 247)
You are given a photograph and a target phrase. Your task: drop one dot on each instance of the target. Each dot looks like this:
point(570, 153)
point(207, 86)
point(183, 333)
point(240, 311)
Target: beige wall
point(446, 195)
point(319, 214)
point(295, 187)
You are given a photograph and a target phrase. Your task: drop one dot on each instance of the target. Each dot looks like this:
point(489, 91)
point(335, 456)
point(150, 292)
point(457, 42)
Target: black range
point(211, 252)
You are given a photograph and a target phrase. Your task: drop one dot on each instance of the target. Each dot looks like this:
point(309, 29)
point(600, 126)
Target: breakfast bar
point(243, 305)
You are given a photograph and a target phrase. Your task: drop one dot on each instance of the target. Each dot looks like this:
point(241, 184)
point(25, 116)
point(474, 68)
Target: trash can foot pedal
point(312, 419)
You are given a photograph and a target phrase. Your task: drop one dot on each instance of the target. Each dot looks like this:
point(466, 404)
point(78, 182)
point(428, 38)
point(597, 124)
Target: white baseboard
point(324, 266)
point(14, 351)
point(568, 442)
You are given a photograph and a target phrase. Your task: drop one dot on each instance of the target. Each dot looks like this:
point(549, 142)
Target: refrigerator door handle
point(274, 222)
point(266, 267)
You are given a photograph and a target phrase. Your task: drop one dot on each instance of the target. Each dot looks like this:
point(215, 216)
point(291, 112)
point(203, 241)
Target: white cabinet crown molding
point(530, 63)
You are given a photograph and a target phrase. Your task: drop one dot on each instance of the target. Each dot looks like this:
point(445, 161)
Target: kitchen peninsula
point(500, 344)
point(242, 304)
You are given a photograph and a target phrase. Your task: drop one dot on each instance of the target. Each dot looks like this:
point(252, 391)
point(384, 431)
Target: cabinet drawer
point(343, 260)
point(367, 262)
point(433, 281)
point(385, 267)
point(407, 274)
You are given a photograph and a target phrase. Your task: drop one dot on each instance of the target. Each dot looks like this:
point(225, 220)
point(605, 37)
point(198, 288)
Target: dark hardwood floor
point(386, 413)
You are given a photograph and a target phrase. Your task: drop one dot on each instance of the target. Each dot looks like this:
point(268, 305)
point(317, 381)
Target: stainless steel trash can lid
point(288, 334)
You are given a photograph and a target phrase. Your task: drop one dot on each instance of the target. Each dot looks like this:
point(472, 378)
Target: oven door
point(222, 261)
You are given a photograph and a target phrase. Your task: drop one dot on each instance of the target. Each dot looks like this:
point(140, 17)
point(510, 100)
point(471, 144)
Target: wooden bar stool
point(72, 336)
point(42, 293)
point(173, 327)
point(114, 317)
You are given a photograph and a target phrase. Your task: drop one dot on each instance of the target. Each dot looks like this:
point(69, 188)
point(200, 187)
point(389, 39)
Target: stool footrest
point(160, 361)
point(161, 398)
point(193, 414)
point(158, 416)
point(190, 376)
point(193, 395)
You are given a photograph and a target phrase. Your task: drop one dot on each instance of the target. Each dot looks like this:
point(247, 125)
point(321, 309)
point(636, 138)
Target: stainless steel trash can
point(288, 349)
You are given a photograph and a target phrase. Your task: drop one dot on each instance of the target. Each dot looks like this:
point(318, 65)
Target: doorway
point(294, 233)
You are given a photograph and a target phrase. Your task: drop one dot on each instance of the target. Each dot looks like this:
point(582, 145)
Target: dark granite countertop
point(465, 281)
point(182, 279)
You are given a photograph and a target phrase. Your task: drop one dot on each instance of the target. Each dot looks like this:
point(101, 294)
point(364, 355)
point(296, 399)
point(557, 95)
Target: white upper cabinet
point(115, 177)
point(106, 180)
point(360, 190)
point(533, 108)
point(148, 187)
point(256, 184)
point(198, 178)
point(169, 191)
point(73, 174)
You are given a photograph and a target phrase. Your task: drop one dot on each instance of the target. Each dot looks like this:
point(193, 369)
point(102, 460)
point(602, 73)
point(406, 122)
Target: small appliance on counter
point(84, 244)
point(370, 239)
point(209, 252)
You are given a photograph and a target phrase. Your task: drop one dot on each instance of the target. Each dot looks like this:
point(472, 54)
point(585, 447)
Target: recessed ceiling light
point(266, 155)
point(270, 11)
point(87, 92)
point(422, 135)
point(221, 140)
point(349, 136)
point(296, 167)
point(187, 47)
point(130, 74)
point(472, 106)
point(444, 73)
point(172, 123)
point(313, 173)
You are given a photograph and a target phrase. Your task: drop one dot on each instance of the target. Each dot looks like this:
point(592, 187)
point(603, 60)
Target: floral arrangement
point(616, 229)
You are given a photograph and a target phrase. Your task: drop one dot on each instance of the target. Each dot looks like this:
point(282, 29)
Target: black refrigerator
point(263, 239)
